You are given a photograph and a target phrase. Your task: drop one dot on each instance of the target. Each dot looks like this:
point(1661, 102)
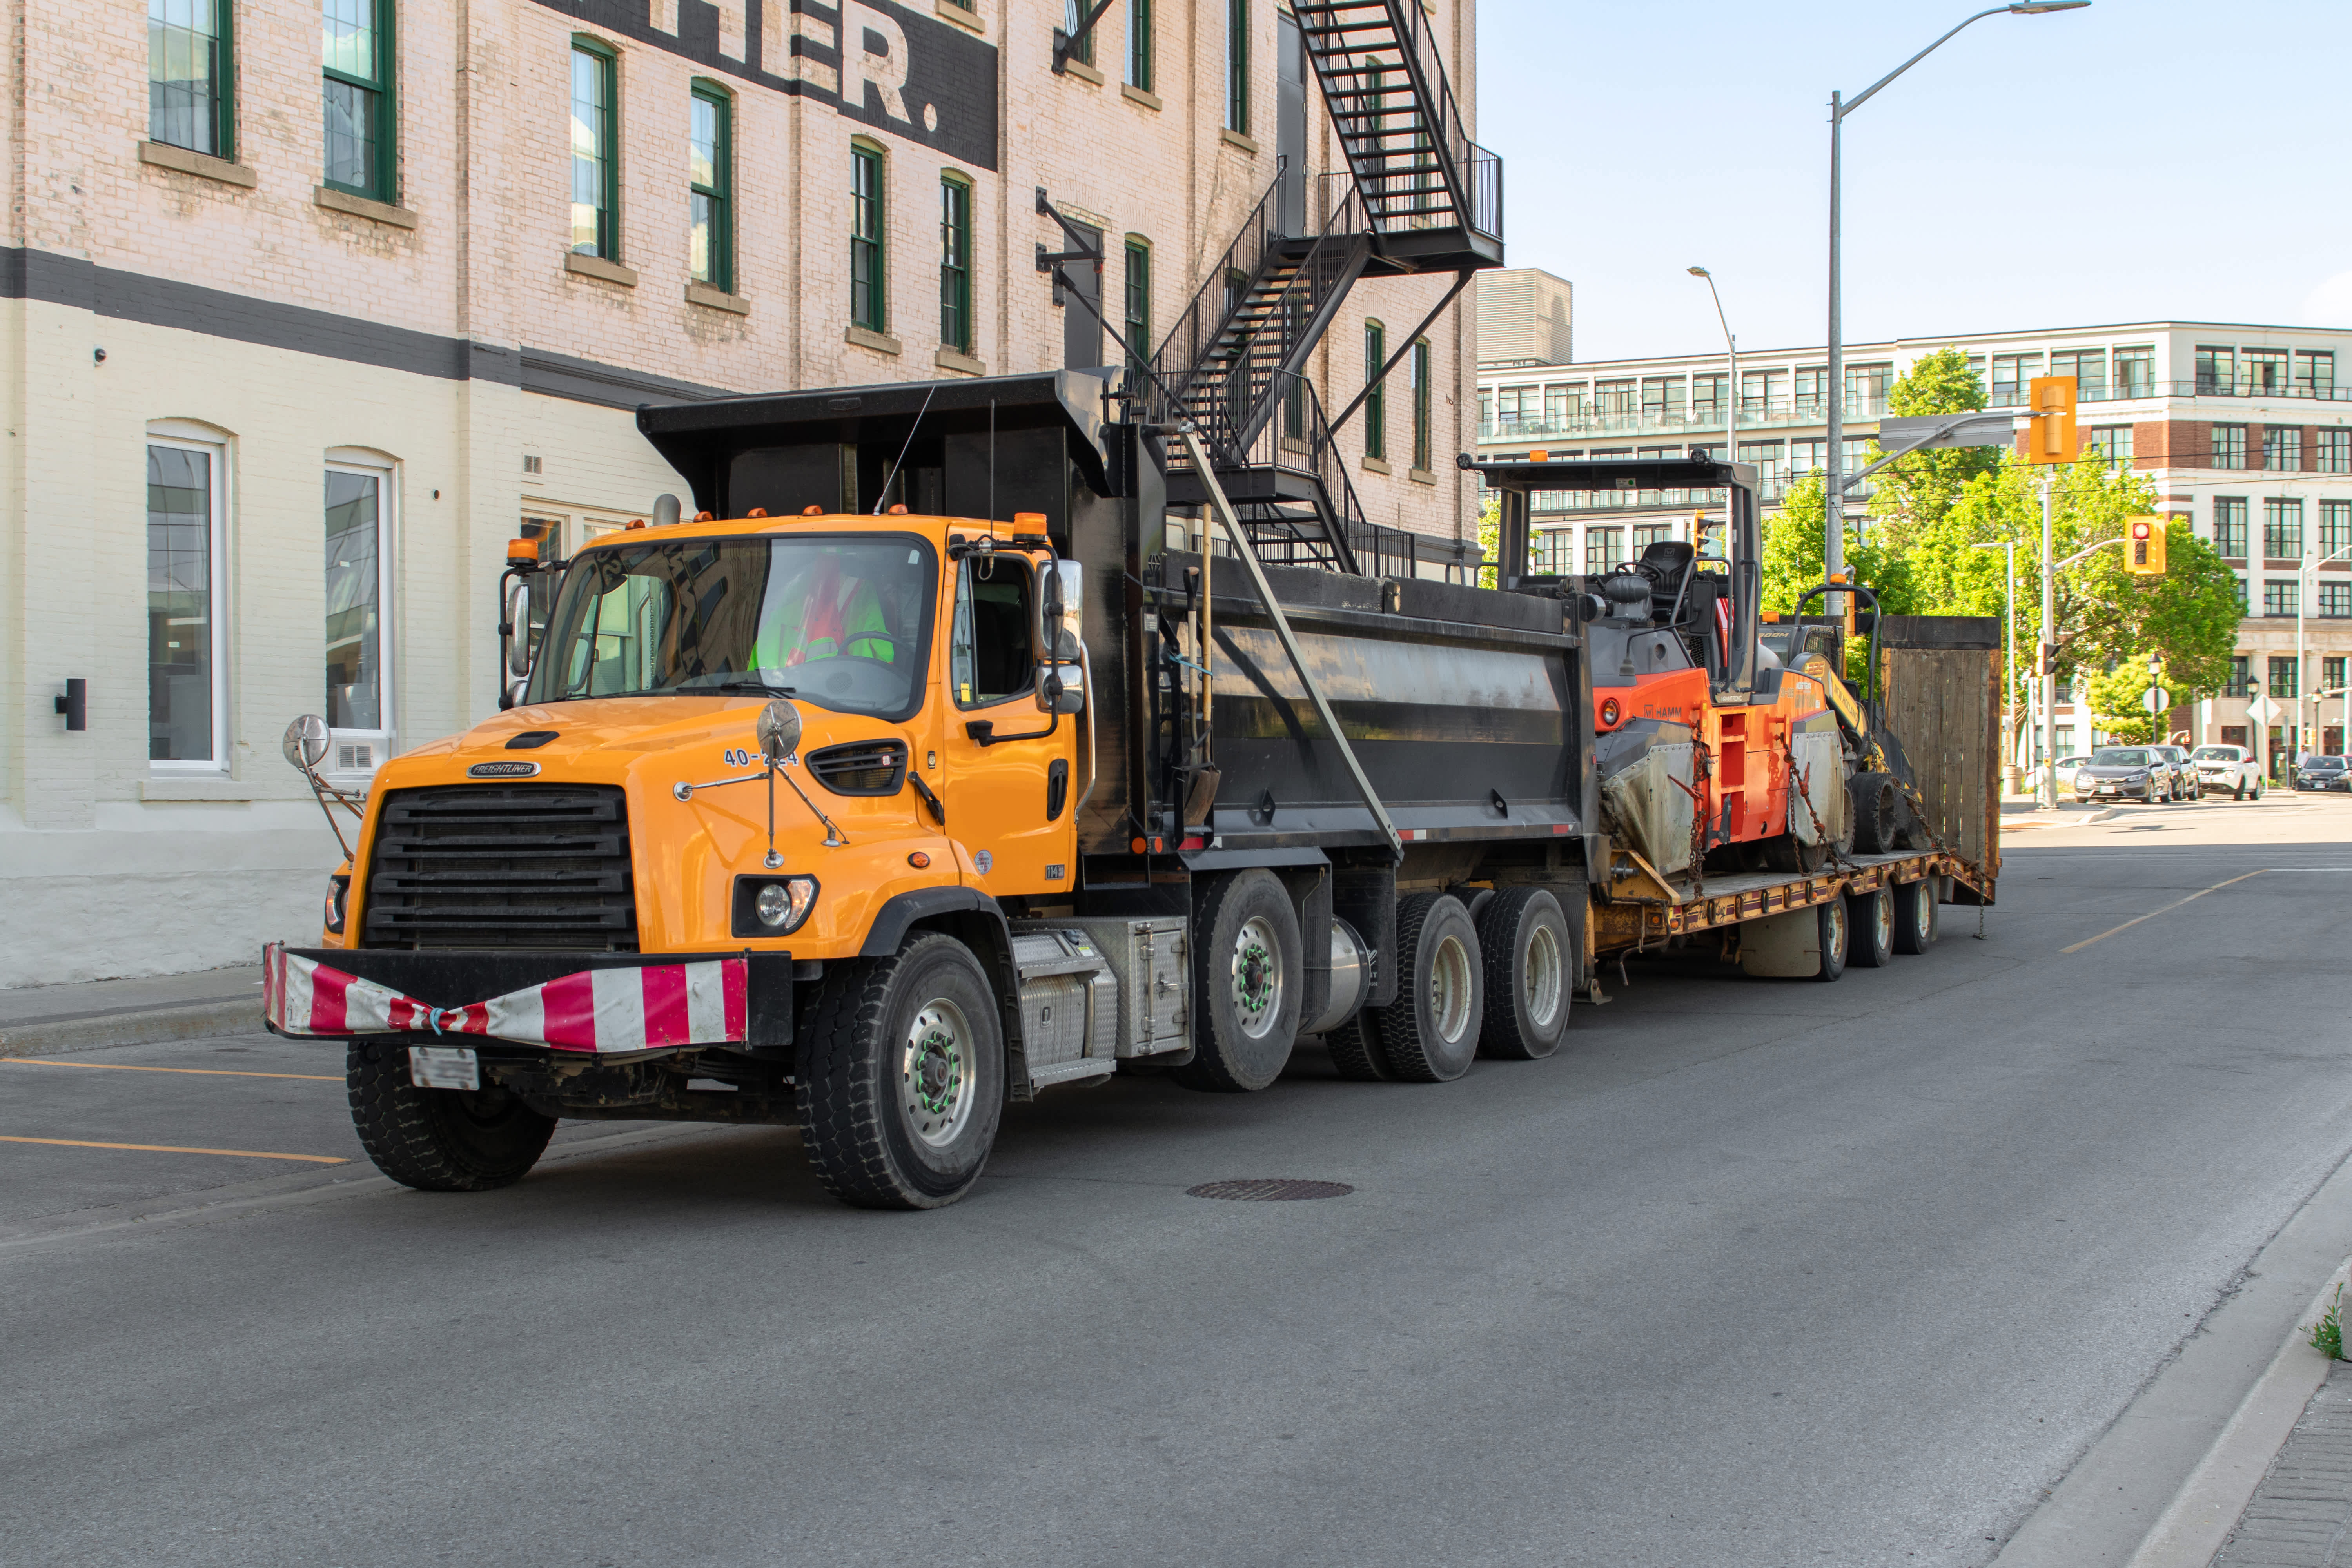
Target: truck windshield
point(842, 623)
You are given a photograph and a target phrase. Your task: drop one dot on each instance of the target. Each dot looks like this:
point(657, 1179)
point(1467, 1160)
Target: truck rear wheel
point(1870, 928)
point(1915, 915)
point(1836, 929)
point(1430, 1033)
point(1530, 969)
point(440, 1140)
point(902, 1076)
point(1355, 1047)
point(1248, 971)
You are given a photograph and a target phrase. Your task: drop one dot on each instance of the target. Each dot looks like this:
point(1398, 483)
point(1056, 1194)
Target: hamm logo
point(503, 771)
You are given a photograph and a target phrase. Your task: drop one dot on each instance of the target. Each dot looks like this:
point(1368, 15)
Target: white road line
point(2153, 913)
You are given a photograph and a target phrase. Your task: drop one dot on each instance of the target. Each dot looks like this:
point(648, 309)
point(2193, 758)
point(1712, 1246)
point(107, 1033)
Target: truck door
point(1008, 766)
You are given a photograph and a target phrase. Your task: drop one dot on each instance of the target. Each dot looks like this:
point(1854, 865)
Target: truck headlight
point(773, 906)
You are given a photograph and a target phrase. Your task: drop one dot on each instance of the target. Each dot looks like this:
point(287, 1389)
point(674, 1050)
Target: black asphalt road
point(1754, 1273)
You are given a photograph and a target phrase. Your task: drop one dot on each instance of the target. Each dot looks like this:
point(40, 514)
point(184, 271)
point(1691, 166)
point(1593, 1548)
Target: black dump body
point(1469, 709)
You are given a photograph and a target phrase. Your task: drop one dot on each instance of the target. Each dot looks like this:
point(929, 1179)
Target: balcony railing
point(1771, 490)
point(1756, 416)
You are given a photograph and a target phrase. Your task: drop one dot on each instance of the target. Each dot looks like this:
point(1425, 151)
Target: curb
point(73, 1032)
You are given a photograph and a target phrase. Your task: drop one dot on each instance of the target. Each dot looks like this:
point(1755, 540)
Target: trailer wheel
point(1430, 1033)
point(1876, 817)
point(1355, 1047)
point(1248, 967)
point(440, 1140)
point(1915, 915)
point(1870, 926)
point(902, 1076)
point(1531, 972)
point(1835, 928)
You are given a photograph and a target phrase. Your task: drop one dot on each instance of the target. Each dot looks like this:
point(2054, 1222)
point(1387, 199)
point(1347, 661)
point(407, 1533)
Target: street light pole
point(2049, 658)
point(1833, 499)
point(1731, 352)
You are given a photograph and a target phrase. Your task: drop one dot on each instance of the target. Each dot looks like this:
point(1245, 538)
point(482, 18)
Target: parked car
point(2029, 781)
point(2125, 773)
point(2228, 770)
point(2314, 771)
point(2184, 772)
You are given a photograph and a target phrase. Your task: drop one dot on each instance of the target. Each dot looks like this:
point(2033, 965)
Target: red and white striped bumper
point(600, 1011)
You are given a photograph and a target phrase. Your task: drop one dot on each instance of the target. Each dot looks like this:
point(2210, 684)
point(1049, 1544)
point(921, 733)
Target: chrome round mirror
point(306, 741)
point(779, 730)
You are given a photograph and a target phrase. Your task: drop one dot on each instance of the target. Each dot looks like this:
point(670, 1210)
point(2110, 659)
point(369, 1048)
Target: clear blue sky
point(2140, 159)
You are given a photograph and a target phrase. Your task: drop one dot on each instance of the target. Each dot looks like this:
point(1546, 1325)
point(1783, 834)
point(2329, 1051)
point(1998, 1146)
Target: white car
point(2227, 770)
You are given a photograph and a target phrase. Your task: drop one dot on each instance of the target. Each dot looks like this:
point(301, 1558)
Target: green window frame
point(868, 255)
point(1135, 322)
point(1073, 14)
point(595, 150)
point(1375, 400)
point(355, 51)
point(955, 263)
point(1237, 65)
point(1139, 44)
point(710, 186)
point(1421, 407)
point(191, 76)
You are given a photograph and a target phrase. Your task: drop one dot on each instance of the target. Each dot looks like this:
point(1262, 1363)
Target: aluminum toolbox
point(1152, 959)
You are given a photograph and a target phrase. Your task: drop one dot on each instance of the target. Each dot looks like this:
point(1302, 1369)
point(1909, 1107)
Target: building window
point(1865, 387)
point(2314, 372)
point(1139, 44)
point(2263, 373)
point(1237, 95)
point(1422, 428)
point(596, 152)
point(2230, 526)
point(185, 695)
point(2217, 372)
point(358, 699)
point(2331, 668)
point(710, 188)
point(2242, 677)
point(2283, 527)
point(2012, 375)
point(1604, 549)
point(2335, 528)
point(1565, 404)
point(1662, 398)
point(1812, 391)
point(1549, 552)
point(867, 304)
point(1707, 396)
point(2135, 371)
point(2087, 366)
point(2283, 677)
point(1760, 391)
point(2228, 447)
point(1614, 399)
point(1375, 400)
point(2111, 442)
point(357, 47)
point(2335, 604)
point(2332, 451)
point(1074, 12)
point(190, 63)
point(1766, 456)
point(955, 263)
point(1808, 457)
point(1652, 533)
point(1137, 322)
point(2281, 448)
point(2282, 596)
point(2245, 606)
point(1516, 405)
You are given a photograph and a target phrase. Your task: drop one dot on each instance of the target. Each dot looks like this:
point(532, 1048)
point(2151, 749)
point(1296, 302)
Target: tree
point(2114, 700)
point(1794, 561)
point(1490, 538)
point(1914, 491)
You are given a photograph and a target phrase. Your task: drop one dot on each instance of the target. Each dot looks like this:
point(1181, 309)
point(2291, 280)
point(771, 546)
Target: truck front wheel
point(902, 1076)
point(440, 1140)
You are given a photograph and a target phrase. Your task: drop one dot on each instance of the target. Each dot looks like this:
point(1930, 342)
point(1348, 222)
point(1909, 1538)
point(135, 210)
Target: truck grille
point(532, 866)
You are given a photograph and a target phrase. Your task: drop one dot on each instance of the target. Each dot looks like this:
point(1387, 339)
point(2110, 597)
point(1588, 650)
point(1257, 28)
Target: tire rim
point(1882, 921)
point(1923, 914)
point(1256, 977)
point(1833, 938)
point(936, 1084)
point(1449, 989)
point(1544, 970)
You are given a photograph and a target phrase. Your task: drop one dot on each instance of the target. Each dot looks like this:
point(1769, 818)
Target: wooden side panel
point(1944, 705)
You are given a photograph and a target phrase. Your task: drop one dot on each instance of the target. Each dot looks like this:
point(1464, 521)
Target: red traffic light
point(2139, 529)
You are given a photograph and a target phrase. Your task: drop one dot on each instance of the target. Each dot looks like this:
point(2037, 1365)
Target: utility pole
point(2049, 657)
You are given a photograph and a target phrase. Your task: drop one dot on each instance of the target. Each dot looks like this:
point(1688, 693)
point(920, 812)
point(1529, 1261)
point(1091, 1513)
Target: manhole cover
point(1269, 1192)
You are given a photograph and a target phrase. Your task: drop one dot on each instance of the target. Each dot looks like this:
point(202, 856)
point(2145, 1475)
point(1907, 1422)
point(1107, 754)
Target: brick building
point(2244, 430)
point(309, 309)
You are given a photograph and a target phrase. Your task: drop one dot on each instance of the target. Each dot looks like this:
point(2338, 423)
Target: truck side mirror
point(1060, 593)
point(1061, 688)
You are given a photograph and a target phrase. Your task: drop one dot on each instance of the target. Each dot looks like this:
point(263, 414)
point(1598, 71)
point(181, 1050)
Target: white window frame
point(189, 436)
point(385, 739)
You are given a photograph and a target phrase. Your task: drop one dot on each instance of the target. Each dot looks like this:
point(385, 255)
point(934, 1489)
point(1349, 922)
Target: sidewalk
point(2299, 1514)
point(52, 1020)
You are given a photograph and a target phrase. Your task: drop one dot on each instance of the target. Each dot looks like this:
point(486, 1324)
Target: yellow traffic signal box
point(2144, 546)
point(2052, 437)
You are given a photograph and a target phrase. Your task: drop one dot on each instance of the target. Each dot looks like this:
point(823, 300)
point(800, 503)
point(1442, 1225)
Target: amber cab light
point(1611, 712)
point(918, 860)
point(1025, 520)
point(523, 549)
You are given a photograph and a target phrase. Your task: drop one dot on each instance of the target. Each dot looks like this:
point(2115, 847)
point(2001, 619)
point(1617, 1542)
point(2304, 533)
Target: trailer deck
point(1636, 907)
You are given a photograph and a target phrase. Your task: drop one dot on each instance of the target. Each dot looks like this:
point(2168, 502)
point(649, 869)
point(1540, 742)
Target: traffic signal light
point(2144, 546)
point(2051, 438)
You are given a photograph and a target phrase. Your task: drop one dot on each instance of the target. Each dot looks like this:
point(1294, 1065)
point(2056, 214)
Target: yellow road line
point(171, 1149)
point(2153, 913)
point(207, 1072)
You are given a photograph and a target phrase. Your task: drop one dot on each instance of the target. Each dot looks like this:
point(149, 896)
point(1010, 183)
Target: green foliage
point(2115, 699)
point(1914, 492)
point(1794, 561)
point(2327, 1334)
point(1490, 538)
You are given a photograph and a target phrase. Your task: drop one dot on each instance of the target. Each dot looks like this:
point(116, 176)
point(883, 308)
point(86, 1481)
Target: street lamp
point(1833, 509)
point(1731, 385)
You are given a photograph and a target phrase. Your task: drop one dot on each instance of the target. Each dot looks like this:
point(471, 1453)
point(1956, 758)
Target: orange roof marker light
point(705, 516)
point(757, 511)
point(898, 511)
point(811, 512)
point(634, 522)
point(523, 549)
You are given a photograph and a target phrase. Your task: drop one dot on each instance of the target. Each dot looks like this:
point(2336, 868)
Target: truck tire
point(440, 1140)
point(1531, 972)
point(1835, 929)
point(901, 1076)
point(1430, 1033)
point(1870, 928)
point(1249, 970)
point(1915, 915)
point(1355, 1047)
point(1876, 817)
